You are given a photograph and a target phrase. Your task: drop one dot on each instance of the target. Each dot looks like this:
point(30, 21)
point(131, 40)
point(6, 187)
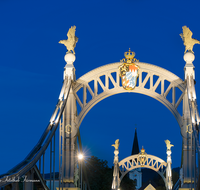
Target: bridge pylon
point(68, 130)
point(188, 167)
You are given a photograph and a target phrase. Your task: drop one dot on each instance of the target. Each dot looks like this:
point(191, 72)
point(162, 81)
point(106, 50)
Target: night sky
point(32, 65)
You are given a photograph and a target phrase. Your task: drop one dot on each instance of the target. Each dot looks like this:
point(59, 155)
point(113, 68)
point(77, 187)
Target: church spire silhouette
point(135, 149)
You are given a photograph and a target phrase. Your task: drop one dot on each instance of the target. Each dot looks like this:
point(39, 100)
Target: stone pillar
point(186, 129)
point(69, 128)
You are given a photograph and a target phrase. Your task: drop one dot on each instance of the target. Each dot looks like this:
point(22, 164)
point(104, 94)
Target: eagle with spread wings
point(189, 42)
point(116, 145)
point(168, 144)
point(70, 43)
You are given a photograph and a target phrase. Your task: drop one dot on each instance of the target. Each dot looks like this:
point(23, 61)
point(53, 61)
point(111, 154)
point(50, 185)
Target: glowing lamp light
point(80, 156)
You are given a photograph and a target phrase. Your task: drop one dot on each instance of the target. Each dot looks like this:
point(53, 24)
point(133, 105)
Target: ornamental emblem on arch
point(142, 157)
point(129, 70)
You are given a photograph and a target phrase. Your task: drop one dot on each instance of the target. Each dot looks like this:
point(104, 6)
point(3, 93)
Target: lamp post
point(80, 157)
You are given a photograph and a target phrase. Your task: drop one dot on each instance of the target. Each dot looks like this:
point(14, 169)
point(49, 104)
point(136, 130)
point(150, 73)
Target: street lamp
point(80, 157)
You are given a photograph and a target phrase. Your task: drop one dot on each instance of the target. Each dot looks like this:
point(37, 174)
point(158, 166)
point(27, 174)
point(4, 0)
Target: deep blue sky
point(32, 64)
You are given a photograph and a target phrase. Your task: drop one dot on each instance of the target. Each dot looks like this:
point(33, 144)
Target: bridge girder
point(110, 69)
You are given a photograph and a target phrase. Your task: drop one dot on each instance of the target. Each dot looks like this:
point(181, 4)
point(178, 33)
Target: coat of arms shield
point(129, 71)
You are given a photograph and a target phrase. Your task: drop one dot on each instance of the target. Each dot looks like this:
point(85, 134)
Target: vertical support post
point(62, 163)
point(81, 176)
point(115, 182)
point(60, 153)
point(15, 186)
point(50, 161)
point(169, 183)
point(194, 160)
point(191, 166)
point(29, 176)
point(40, 164)
point(69, 128)
point(54, 143)
point(187, 164)
point(43, 165)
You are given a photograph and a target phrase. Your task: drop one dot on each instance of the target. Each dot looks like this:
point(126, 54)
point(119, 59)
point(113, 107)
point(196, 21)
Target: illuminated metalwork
point(116, 145)
point(70, 43)
point(151, 82)
point(132, 162)
point(142, 158)
point(116, 181)
point(129, 70)
point(68, 128)
point(92, 85)
point(189, 129)
point(169, 183)
point(189, 42)
point(168, 144)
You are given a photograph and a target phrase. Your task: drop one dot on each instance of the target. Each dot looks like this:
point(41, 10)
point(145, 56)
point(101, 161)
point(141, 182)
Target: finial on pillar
point(70, 43)
point(116, 152)
point(69, 67)
point(189, 42)
point(70, 57)
point(116, 145)
point(169, 182)
point(167, 142)
point(116, 181)
point(189, 57)
point(189, 67)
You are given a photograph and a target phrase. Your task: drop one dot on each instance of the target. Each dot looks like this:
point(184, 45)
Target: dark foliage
point(100, 175)
point(127, 184)
point(159, 181)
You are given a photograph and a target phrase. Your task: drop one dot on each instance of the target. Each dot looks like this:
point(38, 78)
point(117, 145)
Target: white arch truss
point(132, 162)
point(153, 81)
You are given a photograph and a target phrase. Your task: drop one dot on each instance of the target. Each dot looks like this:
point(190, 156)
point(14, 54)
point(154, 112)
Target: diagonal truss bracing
point(132, 162)
point(153, 81)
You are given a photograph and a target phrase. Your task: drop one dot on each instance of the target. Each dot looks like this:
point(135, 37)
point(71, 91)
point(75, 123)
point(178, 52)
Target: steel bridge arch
point(152, 162)
point(84, 82)
point(108, 70)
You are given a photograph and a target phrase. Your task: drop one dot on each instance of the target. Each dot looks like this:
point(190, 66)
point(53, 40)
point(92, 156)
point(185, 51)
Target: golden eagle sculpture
point(167, 142)
point(116, 145)
point(189, 42)
point(70, 43)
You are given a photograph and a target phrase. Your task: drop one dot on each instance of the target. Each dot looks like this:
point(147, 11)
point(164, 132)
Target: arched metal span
point(95, 86)
point(153, 81)
point(152, 162)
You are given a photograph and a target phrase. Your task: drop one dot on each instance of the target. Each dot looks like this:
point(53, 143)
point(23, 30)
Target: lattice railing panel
point(132, 162)
point(152, 81)
point(151, 162)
